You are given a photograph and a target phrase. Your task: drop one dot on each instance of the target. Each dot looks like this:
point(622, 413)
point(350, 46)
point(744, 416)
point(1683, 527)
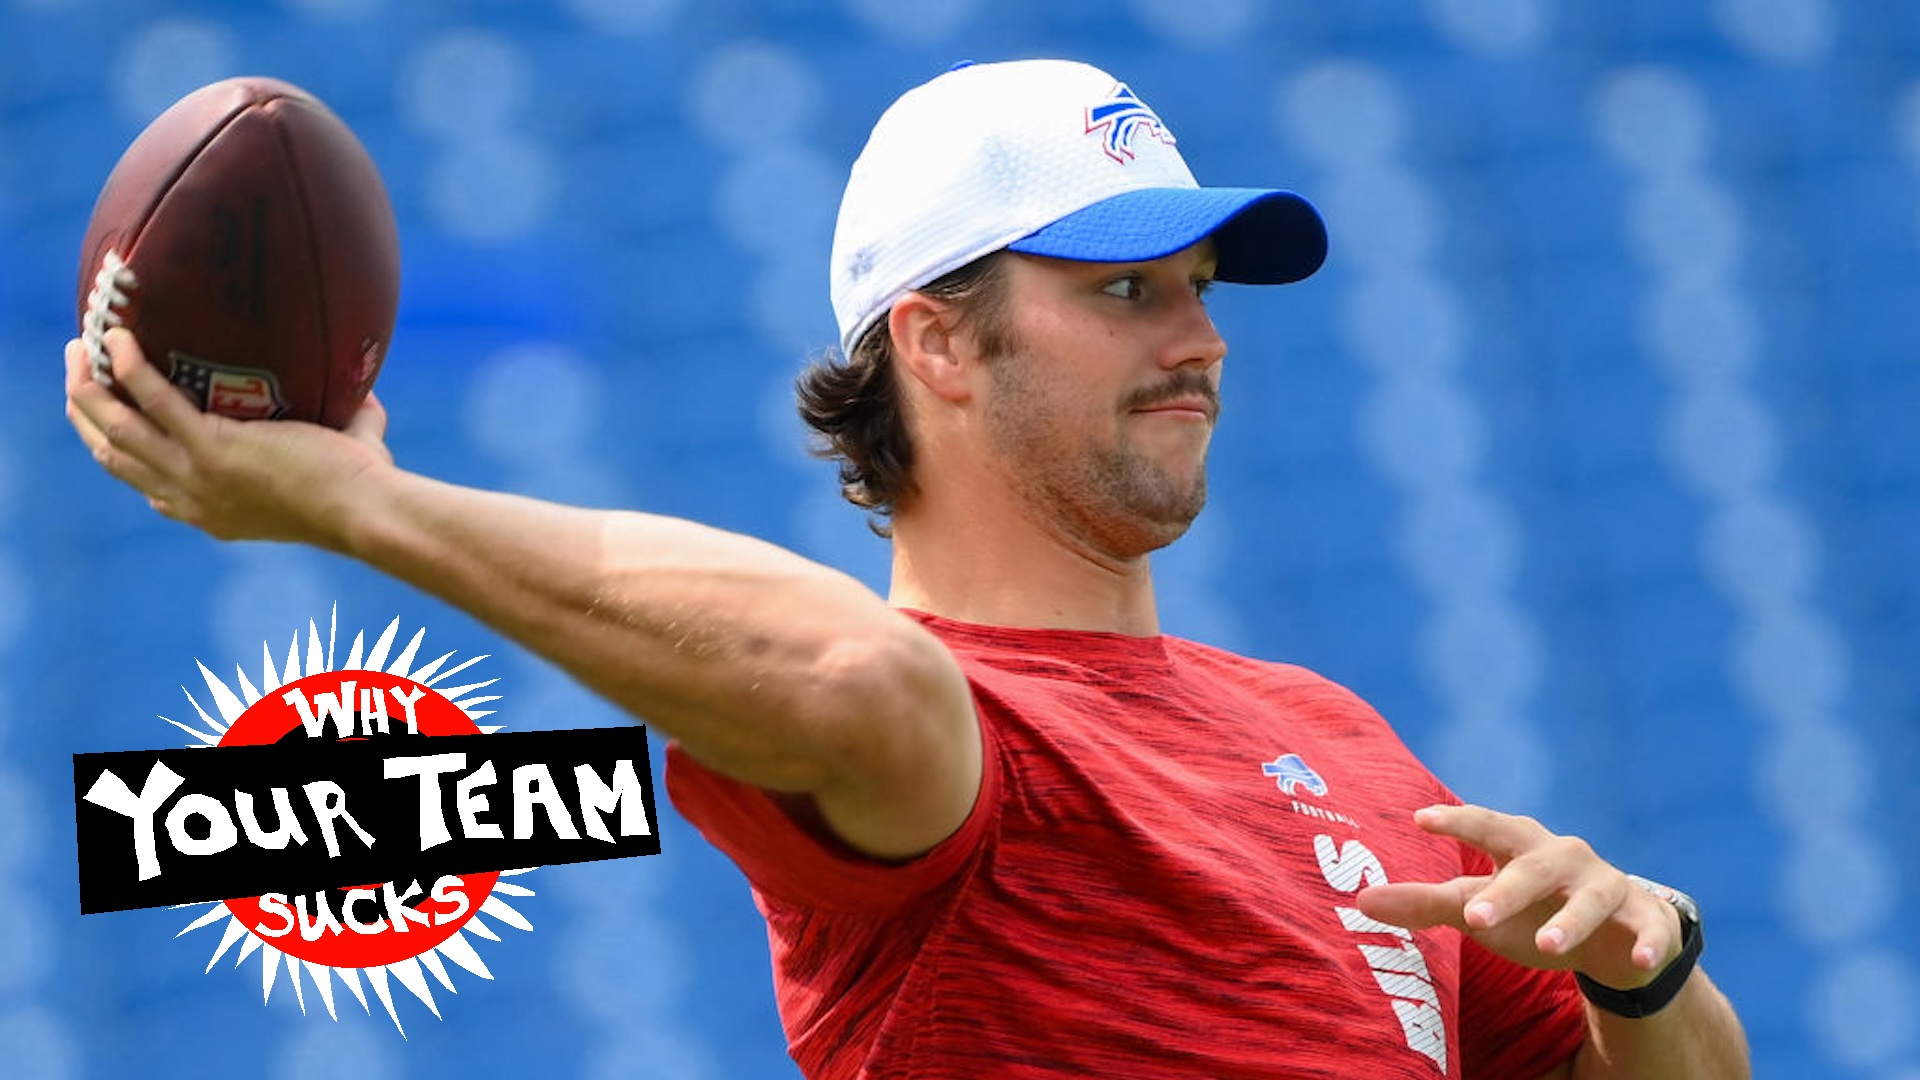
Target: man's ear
point(928, 346)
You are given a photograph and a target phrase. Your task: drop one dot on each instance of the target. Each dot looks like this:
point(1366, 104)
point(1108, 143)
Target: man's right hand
point(236, 480)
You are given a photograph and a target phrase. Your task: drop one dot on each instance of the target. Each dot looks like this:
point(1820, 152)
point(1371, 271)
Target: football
point(246, 240)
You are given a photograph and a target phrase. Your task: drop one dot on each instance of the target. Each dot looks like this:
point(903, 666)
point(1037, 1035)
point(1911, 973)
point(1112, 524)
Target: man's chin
point(1167, 520)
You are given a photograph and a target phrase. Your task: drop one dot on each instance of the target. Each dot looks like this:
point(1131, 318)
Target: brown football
point(247, 241)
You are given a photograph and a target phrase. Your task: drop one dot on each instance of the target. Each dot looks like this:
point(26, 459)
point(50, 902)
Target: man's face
point(1101, 412)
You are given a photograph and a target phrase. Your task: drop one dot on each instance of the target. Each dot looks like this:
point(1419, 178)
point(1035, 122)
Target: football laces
point(112, 289)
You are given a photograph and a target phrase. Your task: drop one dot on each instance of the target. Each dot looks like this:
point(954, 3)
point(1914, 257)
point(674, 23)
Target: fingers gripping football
point(122, 439)
point(268, 480)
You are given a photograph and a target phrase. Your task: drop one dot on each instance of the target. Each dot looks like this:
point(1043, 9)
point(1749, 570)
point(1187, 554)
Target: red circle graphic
point(267, 721)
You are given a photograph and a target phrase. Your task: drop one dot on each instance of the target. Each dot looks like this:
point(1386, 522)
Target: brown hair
point(853, 404)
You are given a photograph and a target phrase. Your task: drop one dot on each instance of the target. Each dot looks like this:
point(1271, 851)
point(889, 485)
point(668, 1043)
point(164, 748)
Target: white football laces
point(111, 289)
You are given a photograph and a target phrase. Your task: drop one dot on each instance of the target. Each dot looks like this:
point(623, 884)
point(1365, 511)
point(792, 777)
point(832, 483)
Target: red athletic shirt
point(1156, 881)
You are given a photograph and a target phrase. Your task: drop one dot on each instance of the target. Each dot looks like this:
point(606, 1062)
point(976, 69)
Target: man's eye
point(1126, 288)
point(1202, 286)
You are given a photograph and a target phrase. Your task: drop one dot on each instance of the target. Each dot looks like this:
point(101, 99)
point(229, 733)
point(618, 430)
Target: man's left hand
point(1551, 903)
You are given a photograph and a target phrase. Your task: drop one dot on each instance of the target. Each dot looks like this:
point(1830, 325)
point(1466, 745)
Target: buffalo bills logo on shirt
point(1291, 773)
point(1120, 119)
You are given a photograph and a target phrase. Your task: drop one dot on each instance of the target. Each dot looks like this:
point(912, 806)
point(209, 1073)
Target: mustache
point(1183, 384)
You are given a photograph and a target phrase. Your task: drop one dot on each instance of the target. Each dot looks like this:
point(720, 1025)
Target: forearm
point(1697, 1036)
point(734, 645)
point(772, 669)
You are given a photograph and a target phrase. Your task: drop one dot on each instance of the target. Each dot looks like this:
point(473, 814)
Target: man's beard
point(1114, 497)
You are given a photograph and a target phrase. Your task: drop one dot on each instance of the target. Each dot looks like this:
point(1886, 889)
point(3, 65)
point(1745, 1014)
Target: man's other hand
point(1551, 903)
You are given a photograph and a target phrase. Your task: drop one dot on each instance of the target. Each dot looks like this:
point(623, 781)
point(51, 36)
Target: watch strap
point(1649, 999)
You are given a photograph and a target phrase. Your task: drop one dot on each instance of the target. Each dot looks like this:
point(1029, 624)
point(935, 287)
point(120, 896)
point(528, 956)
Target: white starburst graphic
point(411, 972)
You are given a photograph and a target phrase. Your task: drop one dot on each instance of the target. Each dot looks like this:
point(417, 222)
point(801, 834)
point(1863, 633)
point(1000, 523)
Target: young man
point(1000, 826)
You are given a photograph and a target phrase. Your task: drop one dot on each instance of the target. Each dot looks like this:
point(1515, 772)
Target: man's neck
point(1008, 569)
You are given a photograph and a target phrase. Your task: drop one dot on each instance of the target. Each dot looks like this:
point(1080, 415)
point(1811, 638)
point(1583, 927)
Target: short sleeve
point(1516, 1023)
point(786, 860)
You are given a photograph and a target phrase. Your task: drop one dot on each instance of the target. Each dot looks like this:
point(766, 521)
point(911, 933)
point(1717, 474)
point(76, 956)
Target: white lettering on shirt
point(1398, 967)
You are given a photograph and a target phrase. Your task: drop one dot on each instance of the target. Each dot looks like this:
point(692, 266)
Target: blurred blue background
point(1591, 458)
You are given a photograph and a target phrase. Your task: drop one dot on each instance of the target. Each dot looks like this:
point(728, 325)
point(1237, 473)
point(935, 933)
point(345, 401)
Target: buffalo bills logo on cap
point(1120, 118)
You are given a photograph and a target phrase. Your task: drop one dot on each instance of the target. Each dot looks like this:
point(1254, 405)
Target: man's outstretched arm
point(1554, 903)
point(768, 667)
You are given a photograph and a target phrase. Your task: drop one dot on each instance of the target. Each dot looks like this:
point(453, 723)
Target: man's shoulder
point(1213, 661)
point(1045, 651)
point(1021, 662)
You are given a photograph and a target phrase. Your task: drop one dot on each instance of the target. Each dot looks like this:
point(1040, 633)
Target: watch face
point(1671, 895)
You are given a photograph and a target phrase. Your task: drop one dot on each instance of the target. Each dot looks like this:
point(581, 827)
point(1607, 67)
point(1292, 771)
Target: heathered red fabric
point(1132, 896)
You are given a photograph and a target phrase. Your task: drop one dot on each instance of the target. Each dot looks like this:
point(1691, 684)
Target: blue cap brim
point(1261, 236)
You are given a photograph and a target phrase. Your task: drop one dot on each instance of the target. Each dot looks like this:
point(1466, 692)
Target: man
point(1001, 827)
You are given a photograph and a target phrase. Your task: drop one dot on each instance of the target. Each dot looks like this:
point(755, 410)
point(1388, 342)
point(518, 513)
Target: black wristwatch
point(1651, 998)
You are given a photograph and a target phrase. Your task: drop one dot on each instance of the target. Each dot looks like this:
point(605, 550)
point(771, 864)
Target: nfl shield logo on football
point(241, 393)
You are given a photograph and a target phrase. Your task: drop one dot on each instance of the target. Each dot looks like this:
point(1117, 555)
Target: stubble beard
point(1116, 499)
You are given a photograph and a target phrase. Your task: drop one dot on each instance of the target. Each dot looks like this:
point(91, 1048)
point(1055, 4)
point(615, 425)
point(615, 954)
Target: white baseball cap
point(1045, 157)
